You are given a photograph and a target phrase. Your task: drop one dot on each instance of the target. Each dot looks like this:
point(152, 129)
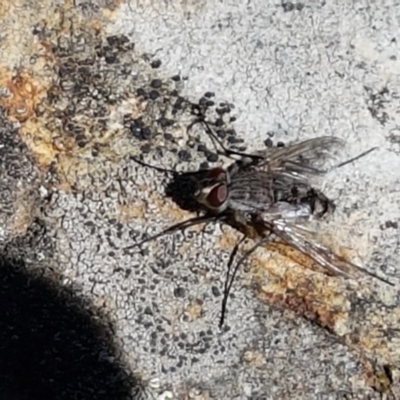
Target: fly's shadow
point(182, 186)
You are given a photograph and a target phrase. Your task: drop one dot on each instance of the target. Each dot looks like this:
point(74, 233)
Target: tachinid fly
point(271, 191)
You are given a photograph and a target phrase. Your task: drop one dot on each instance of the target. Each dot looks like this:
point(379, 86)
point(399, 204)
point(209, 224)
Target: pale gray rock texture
point(287, 72)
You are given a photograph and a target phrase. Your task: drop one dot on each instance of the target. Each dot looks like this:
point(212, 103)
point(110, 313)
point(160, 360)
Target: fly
point(270, 191)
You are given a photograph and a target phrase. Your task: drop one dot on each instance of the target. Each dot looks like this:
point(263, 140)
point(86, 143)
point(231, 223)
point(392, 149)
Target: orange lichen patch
point(292, 281)
point(284, 281)
point(254, 358)
point(188, 248)
point(4, 9)
point(24, 212)
point(24, 93)
point(23, 218)
point(137, 209)
point(40, 141)
point(169, 208)
point(112, 6)
point(134, 210)
point(309, 297)
point(228, 240)
point(194, 311)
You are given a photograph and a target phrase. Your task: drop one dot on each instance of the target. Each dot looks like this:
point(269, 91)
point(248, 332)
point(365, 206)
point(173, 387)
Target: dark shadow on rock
point(182, 188)
point(52, 343)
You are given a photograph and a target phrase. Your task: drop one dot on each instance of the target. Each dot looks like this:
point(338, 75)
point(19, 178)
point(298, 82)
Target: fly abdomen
point(319, 203)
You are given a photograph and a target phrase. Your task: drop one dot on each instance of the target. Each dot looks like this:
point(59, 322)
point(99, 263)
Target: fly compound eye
point(217, 174)
point(217, 196)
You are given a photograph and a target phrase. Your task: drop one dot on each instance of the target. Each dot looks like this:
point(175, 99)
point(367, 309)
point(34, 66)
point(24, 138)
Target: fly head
point(213, 191)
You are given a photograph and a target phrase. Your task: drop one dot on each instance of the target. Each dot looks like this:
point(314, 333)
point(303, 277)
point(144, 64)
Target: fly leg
point(178, 227)
point(254, 159)
point(230, 278)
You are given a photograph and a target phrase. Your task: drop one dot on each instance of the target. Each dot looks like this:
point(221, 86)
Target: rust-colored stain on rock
point(356, 314)
point(288, 279)
point(22, 94)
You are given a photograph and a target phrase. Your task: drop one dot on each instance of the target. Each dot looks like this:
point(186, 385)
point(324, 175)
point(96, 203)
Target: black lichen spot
point(209, 94)
point(184, 155)
point(220, 111)
point(119, 41)
point(202, 148)
point(138, 122)
point(212, 157)
point(391, 224)
point(376, 104)
point(215, 291)
point(165, 122)
point(235, 140)
point(169, 137)
point(203, 102)
point(110, 58)
point(148, 311)
point(154, 95)
point(204, 165)
point(81, 141)
point(145, 149)
point(128, 272)
point(179, 292)
point(221, 133)
point(268, 142)
point(155, 64)
point(287, 7)
point(179, 102)
point(232, 119)
point(280, 144)
point(146, 133)
point(156, 84)
point(219, 122)
point(36, 30)
point(141, 92)
point(176, 78)
point(139, 131)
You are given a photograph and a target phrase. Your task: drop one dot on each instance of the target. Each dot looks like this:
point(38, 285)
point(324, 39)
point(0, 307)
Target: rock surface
point(85, 90)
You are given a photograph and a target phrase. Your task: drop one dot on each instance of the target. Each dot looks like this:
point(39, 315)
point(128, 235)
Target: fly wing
point(332, 262)
point(300, 160)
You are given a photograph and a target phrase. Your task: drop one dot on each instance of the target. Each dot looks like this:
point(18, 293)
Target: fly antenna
point(159, 169)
